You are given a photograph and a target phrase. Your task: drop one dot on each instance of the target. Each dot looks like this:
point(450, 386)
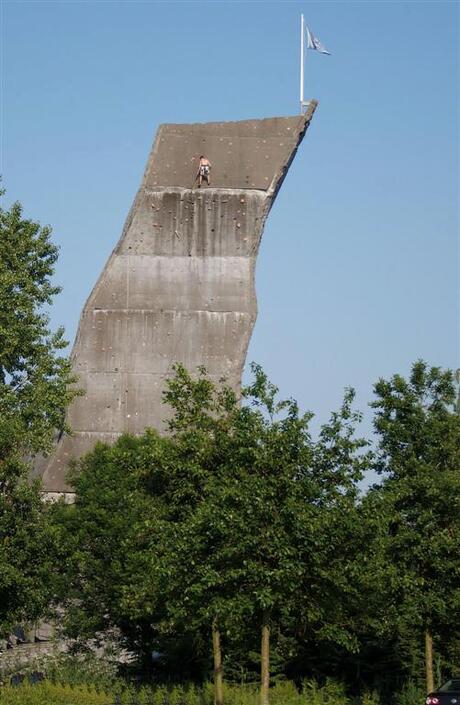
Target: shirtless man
point(204, 169)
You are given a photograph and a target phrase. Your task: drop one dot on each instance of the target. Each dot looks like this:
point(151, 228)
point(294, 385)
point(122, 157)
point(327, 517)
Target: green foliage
point(411, 694)
point(239, 515)
point(370, 698)
point(48, 693)
point(26, 549)
point(103, 538)
point(265, 531)
point(34, 377)
point(236, 515)
point(418, 454)
point(78, 669)
point(35, 390)
point(331, 693)
point(122, 693)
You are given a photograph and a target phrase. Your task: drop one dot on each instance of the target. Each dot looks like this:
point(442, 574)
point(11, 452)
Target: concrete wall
point(179, 286)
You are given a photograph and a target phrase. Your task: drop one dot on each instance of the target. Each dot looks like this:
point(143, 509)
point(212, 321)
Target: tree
point(257, 543)
point(26, 549)
point(104, 539)
point(418, 454)
point(35, 390)
point(226, 527)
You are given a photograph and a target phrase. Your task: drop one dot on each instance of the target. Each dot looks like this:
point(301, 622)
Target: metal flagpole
point(302, 49)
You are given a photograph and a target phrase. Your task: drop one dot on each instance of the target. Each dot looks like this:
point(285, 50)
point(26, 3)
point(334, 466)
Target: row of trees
point(239, 523)
point(239, 535)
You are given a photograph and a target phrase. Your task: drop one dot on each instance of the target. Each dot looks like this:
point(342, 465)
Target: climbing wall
point(179, 286)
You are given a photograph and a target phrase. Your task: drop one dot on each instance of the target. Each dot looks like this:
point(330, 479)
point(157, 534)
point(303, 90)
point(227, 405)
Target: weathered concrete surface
point(179, 286)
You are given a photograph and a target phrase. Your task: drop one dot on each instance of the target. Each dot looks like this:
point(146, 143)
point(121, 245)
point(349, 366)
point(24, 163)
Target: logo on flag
point(314, 43)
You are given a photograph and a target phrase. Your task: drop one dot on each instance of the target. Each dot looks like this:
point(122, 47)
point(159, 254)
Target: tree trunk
point(265, 661)
point(218, 674)
point(429, 661)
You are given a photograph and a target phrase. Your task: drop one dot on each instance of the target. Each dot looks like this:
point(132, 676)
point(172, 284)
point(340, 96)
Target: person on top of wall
point(204, 171)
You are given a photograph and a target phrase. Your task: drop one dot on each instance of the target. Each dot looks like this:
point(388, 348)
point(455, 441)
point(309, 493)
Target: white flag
point(314, 43)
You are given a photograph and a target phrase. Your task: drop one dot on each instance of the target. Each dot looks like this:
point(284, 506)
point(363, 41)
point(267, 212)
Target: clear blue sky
point(358, 271)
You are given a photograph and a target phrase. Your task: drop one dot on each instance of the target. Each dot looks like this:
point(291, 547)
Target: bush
point(332, 693)
point(370, 698)
point(48, 693)
point(285, 693)
point(124, 693)
point(411, 694)
point(72, 669)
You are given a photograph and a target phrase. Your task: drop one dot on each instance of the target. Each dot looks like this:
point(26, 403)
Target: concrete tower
point(179, 286)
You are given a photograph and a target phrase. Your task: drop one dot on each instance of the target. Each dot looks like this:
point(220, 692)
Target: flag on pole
point(314, 43)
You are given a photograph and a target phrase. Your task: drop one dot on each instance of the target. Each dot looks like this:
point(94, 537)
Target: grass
point(284, 693)
point(48, 693)
point(80, 684)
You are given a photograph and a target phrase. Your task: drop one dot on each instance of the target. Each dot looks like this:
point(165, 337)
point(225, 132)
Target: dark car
point(447, 694)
